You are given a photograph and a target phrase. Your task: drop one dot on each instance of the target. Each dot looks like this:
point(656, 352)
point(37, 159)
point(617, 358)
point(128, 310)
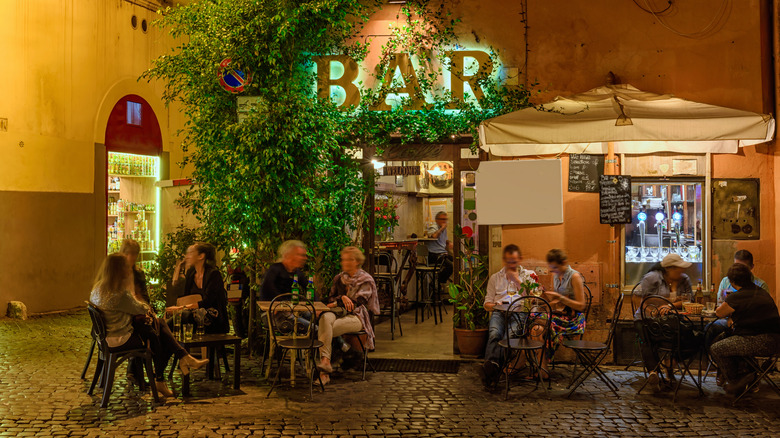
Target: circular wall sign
point(231, 78)
point(444, 180)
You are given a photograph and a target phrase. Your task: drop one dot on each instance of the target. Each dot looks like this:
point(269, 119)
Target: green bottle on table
point(310, 290)
point(296, 290)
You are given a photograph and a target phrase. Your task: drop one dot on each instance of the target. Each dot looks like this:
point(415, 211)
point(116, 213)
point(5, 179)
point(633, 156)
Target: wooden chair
point(111, 357)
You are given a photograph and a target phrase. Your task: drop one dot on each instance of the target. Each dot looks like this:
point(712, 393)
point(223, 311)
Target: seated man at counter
point(439, 248)
point(279, 277)
point(496, 292)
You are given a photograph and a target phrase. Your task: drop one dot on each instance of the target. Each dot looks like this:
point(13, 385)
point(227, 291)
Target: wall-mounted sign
point(231, 78)
point(466, 67)
point(584, 172)
point(615, 199)
point(736, 209)
point(247, 104)
point(401, 170)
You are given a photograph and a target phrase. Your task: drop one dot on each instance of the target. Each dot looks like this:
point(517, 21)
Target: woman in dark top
point(205, 279)
point(755, 327)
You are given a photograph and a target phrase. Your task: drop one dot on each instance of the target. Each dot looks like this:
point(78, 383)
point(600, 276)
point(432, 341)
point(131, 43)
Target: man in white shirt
point(511, 274)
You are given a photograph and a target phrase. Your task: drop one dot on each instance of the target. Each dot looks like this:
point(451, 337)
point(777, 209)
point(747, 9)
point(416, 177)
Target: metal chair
point(428, 292)
point(387, 286)
point(663, 328)
point(110, 358)
point(282, 316)
point(636, 360)
point(762, 373)
point(590, 354)
point(588, 302)
point(532, 316)
point(91, 349)
point(358, 335)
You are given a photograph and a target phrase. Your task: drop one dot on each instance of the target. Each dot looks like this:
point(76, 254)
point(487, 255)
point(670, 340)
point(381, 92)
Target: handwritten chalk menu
point(584, 172)
point(615, 199)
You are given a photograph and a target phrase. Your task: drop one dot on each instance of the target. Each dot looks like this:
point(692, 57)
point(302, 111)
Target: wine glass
point(654, 253)
point(634, 254)
point(511, 290)
point(664, 252)
point(694, 252)
point(684, 252)
point(645, 251)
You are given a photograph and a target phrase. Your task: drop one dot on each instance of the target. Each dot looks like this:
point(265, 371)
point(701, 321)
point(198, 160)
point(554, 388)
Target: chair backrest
point(189, 299)
point(588, 300)
point(661, 321)
point(283, 317)
point(615, 319)
point(386, 259)
point(422, 253)
point(440, 260)
point(532, 315)
point(98, 323)
point(637, 287)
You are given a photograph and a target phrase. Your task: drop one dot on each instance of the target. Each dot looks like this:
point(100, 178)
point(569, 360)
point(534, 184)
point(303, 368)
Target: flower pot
point(471, 342)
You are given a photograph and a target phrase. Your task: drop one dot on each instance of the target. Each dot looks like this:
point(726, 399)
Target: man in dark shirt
point(756, 328)
point(278, 279)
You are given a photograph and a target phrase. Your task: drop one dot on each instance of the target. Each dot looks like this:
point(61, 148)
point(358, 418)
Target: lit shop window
point(133, 113)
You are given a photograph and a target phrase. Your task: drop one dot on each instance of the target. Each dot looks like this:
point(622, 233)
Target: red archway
point(133, 127)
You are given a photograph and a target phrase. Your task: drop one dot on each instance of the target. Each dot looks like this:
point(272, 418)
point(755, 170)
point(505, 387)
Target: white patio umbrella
point(634, 121)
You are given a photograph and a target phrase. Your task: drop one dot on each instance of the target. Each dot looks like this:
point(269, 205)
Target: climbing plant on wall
point(285, 170)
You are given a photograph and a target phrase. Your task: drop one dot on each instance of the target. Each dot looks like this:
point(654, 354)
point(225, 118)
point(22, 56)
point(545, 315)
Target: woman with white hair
point(353, 298)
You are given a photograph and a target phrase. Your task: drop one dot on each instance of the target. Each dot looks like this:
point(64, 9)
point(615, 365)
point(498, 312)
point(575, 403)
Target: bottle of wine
point(296, 290)
point(310, 290)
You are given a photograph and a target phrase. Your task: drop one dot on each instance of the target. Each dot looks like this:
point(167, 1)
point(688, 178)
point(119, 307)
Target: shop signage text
point(401, 170)
point(402, 62)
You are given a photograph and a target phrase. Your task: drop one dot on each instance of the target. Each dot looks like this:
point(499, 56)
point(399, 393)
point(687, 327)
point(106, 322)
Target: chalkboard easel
point(615, 199)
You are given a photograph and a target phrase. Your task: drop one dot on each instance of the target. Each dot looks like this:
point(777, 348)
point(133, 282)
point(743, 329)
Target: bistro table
point(265, 306)
point(214, 341)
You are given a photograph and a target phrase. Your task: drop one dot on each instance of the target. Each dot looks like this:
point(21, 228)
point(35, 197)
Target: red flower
point(384, 217)
point(396, 218)
point(385, 204)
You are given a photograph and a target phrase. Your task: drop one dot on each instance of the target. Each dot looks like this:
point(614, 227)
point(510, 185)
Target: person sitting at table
point(719, 326)
point(205, 280)
point(567, 301)
point(755, 329)
point(353, 298)
point(279, 277)
point(496, 294)
point(667, 279)
point(439, 248)
point(130, 322)
point(131, 250)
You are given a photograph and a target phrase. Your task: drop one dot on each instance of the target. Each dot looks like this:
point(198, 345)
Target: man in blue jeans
point(499, 283)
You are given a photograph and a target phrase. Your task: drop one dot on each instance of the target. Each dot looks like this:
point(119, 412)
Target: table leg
point(185, 385)
point(292, 368)
point(237, 365)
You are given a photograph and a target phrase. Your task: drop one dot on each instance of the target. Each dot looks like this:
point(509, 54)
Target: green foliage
point(468, 295)
point(285, 171)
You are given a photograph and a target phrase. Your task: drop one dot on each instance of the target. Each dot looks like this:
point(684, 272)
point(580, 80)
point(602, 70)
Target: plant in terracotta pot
point(470, 318)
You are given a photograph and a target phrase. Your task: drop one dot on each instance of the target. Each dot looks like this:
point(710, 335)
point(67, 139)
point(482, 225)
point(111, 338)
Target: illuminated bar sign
point(401, 170)
point(403, 63)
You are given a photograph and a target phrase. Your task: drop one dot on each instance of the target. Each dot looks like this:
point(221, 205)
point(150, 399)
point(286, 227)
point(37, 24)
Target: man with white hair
point(438, 250)
point(279, 277)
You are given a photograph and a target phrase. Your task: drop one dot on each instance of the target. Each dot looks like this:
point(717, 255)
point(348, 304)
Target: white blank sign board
point(520, 192)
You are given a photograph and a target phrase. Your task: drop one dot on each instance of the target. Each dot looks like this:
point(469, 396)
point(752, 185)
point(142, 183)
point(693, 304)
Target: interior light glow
point(436, 171)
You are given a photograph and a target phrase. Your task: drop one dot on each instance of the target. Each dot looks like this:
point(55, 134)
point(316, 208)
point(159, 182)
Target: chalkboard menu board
point(584, 172)
point(615, 199)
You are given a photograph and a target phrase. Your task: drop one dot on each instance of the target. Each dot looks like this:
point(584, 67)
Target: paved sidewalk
point(41, 395)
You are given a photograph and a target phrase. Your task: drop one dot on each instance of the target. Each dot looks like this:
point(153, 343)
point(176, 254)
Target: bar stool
point(428, 287)
point(386, 282)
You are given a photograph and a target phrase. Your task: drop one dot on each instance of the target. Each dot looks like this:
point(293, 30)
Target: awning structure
point(635, 121)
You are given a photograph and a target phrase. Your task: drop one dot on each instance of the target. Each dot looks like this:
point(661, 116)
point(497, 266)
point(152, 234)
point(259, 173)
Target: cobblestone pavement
point(41, 395)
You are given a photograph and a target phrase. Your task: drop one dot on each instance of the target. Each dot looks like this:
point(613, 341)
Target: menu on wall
point(615, 199)
point(584, 172)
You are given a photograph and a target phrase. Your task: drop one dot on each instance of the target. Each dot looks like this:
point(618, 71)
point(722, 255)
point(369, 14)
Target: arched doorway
point(133, 146)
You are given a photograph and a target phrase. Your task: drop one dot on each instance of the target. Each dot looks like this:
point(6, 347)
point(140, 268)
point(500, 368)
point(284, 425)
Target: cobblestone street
point(41, 395)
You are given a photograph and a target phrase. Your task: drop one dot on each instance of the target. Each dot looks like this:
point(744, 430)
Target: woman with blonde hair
point(353, 298)
point(130, 323)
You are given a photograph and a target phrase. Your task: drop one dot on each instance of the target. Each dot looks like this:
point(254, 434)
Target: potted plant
point(470, 318)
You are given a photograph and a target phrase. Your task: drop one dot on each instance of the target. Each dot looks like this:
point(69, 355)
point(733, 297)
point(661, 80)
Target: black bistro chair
point(387, 288)
point(588, 302)
point(673, 336)
point(110, 358)
point(531, 317)
point(427, 285)
point(93, 335)
point(637, 360)
point(284, 329)
point(359, 336)
point(761, 366)
point(590, 354)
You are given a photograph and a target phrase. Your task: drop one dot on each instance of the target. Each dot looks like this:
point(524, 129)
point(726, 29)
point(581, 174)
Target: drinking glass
point(188, 331)
point(645, 251)
point(664, 252)
point(511, 289)
point(710, 306)
point(176, 323)
point(201, 330)
point(654, 253)
point(684, 252)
